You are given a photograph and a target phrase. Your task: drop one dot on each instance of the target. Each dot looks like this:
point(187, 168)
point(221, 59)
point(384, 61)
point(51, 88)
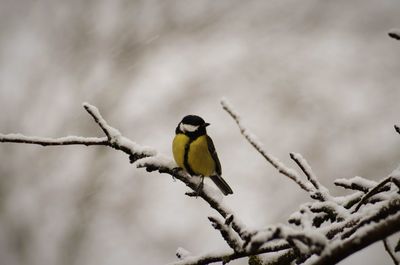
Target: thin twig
point(397, 128)
point(357, 183)
point(44, 141)
point(94, 112)
point(282, 168)
point(370, 234)
point(305, 167)
point(394, 33)
point(388, 209)
point(372, 192)
point(226, 231)
point(390, 252)
point(287, 254)
point(153, 164)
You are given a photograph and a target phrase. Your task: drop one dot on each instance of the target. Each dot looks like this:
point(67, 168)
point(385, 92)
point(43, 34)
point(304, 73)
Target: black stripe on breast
point(186, 158)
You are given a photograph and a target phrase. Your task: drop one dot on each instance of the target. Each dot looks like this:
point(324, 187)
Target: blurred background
point(316, 77)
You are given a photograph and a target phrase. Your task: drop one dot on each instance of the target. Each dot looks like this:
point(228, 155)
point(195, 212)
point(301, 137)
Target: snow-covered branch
point(252, 139)
point(283, 254)
point(323, 231)
point(231, 238)
point(43, 141)
point(141, 156)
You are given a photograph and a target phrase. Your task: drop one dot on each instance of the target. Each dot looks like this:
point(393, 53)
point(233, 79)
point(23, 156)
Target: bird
point(194, 151)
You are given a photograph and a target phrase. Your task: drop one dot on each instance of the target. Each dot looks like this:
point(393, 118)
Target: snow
point(158, 160)
point(311, 260)
point(194, 259)
point(357, 181)
point(342, 200)
point(18, 137)
point(136, 148)
point(312, 236)
point(396, 173)
point(182, 253)
point(112, 133)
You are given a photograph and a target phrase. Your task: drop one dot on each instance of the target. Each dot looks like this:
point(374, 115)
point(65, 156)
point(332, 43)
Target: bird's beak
point(205, 124)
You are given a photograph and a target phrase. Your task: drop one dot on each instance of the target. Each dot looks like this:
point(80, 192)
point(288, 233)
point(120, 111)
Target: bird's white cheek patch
point(188, 127)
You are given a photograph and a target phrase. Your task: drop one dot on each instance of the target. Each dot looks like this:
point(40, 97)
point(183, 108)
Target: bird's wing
point(213, 152)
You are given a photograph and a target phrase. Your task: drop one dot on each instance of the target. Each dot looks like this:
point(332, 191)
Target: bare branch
point(251, 138)
point(390, 252)
point(397, 128)
point(394, 33)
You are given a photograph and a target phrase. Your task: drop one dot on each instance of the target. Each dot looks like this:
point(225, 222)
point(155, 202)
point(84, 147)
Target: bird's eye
point(188, 127)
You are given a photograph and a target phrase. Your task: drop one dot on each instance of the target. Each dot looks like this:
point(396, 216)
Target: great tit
point(194, 151)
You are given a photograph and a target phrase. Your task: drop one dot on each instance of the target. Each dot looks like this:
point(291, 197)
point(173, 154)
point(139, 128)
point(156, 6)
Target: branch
point(226, 231)
point(389, 251)
point(251, 138)
point(363, 238)
point(143, 156)
point(329, 232)
point(282, 250)
point(321, 193)
point(378, 188)
point(109, 131)
point(397, 128)
point(43, 141)
point(395, 34)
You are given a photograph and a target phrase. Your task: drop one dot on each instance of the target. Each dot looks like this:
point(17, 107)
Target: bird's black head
point(192, 125)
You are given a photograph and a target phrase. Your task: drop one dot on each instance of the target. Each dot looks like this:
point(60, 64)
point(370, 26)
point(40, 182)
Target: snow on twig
point(109, 131)
point(356, 183)
point(305, 167)
point(321, 192)
point(326, 231)
point(378, 188)
point(252, 139)
point(44, 141)
point(231, 238)
point(182, 253)
point(281, 250)
point(372, 231)
point(312, 240)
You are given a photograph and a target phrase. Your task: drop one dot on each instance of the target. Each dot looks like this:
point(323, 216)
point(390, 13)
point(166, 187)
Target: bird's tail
point(221, 184)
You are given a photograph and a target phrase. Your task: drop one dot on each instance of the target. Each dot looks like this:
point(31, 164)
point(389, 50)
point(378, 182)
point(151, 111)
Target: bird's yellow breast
point(178, 149)
point(198, 158)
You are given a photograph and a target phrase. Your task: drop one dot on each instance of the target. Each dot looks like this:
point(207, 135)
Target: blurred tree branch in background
point(323, 231)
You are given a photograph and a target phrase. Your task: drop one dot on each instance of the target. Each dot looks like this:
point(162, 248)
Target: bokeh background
point(316, 77)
